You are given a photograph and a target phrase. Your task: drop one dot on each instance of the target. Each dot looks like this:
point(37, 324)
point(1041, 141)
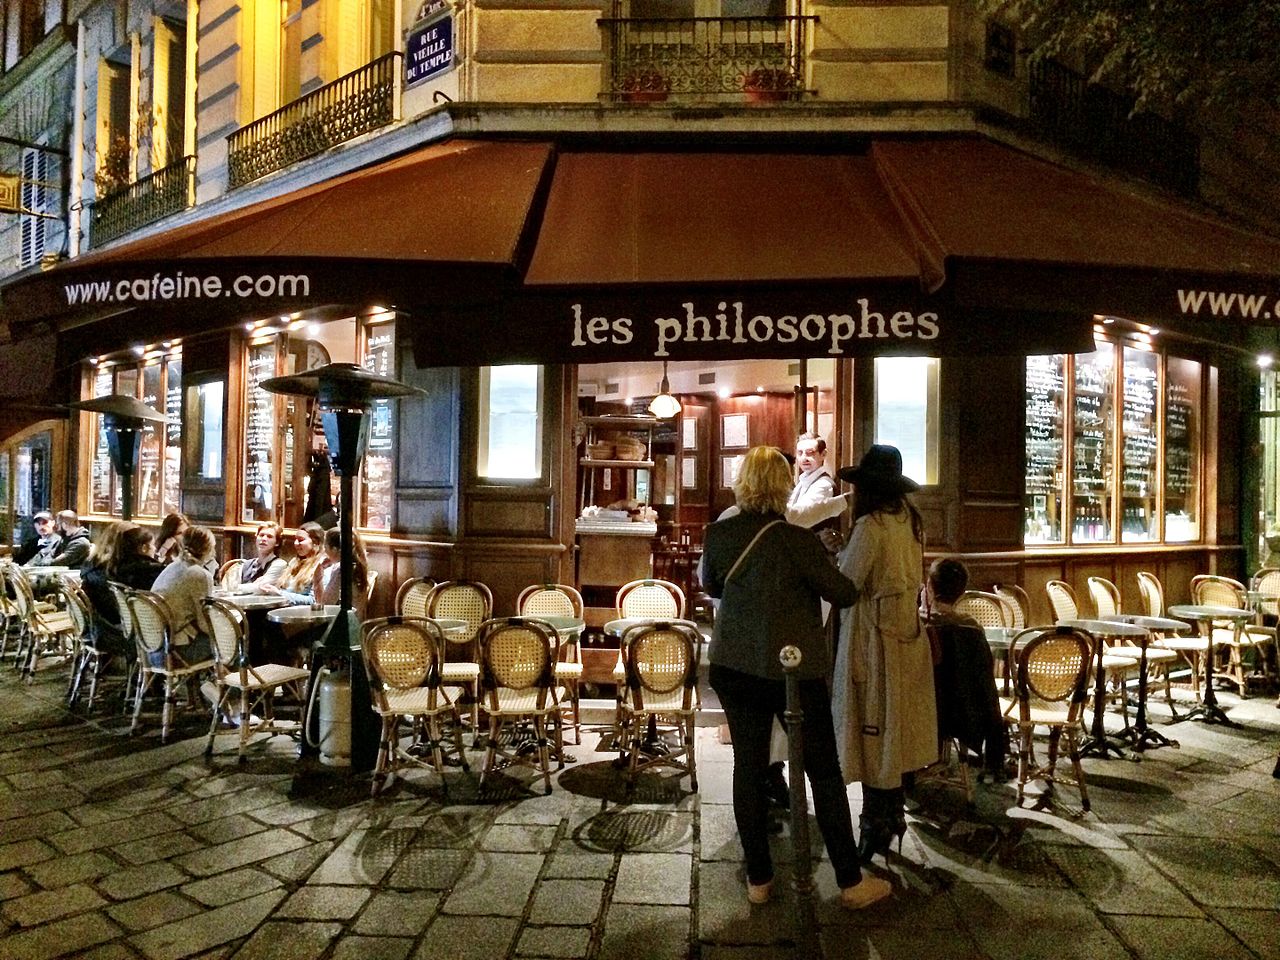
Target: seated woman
point(169, 537)
point(327, 584)
point(265, 567)
point(964, 670)
point(184, 584)
point(135, 566)
point(100, 569)
point(299, 573)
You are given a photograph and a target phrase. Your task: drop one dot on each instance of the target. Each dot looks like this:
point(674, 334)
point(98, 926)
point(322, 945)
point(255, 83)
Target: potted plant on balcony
point(645, 86)
point(769, 84)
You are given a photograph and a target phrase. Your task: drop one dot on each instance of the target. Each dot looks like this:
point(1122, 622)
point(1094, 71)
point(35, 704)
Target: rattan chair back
point(1019, 603)
point(229, 574)
point(79, 609)
point(653, 599)
point(461, 600)
point(659, 659)
point(1213, 591)
point(1053, 667)
point(153, 623)
point(228, 634)
point(989, 609)
point(1062, 600)
point(1267, 581)
point(517, 653)
point(24, 597)
point(411, 598)
point(1105, 596)
point(549, 600)
point(402, 653)
point(1152, 594)
point(120, 593)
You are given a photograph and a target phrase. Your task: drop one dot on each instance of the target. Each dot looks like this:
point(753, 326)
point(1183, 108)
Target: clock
point(317, 355)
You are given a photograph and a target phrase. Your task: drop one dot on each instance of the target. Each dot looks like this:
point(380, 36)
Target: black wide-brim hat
point(880, 467)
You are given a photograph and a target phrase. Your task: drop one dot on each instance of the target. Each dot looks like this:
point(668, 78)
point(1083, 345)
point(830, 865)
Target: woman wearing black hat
point(882, 689)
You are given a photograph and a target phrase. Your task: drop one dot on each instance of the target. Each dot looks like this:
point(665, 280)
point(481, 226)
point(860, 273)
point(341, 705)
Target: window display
point(1045, 448)
point(260, 432)
point(377, 474)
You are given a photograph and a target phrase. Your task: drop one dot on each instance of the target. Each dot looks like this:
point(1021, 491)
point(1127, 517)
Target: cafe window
point(203, 436)
point(510, 434)
point(906, 412)
point(377, 475)
point(261, 431)
point(1130, 420)
point(156, 380)
point(1269, 469)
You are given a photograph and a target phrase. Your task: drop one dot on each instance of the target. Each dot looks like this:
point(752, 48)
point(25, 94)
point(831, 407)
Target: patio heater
point(124, 418)
point(345, 393)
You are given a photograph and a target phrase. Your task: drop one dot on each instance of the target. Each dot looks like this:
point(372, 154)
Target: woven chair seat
point(416, 702)
point(1226, 637)
point(460, 671)
point(266, 675)
point(568, 671)
point(1185, 644)
point(524, 701)
point(56, 621)
point(182, 669)
point(44, 606)
point(1038, 714)
point(672, 702)
point(1111, 661)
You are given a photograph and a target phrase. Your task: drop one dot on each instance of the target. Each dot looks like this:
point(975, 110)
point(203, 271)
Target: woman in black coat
point(770, 576)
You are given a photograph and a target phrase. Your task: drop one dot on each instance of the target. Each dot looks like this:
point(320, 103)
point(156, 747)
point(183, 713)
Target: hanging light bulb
point(664, 406)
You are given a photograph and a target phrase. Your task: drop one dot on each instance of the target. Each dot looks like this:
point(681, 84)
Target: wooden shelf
point(623, 423)
point(616, 464)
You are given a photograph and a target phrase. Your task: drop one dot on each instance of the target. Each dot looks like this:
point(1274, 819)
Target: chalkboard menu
point(1182, 450)
point(1045, 447)
point(149, 462)
point(172, 432)
point(259, 433)
point(100, 477)
point(1141, 455)
point(1091, 461)
point(377, 481)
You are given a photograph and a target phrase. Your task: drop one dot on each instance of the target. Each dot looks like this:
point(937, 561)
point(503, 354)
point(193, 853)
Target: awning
point(1015, 233)
point(26, 368)
point(441, 225)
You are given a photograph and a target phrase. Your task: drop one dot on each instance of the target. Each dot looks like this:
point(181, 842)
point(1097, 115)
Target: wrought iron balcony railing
point(761, 58)
point(1098, 123)
point(342, 110)
point(168, 190)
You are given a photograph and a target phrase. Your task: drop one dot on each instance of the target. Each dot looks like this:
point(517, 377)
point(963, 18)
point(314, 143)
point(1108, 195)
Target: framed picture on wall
point(729, 467)
point(734, 430)
point(689, 433)
point(688, 473)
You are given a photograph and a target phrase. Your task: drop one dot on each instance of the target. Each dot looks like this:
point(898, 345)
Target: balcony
point(168, 190)
point(1097, 123)
point(349, 107)
point(717, 58)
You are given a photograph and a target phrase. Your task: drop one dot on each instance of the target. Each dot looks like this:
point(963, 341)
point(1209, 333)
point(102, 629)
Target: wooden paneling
point(428, 512)
point(428, 428)
point(990, 525)
point(497, 516)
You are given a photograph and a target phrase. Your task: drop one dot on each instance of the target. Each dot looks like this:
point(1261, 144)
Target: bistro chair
point(1062, 600)
point(654, 599)
point(560, 600)
point(129, 635)
point(229, 575)
point(1051, 684)
point(159, 658)
point(473, 602)
point(1106, 601)
point(402, 660)
point(1105, 596)
point(1191, 648)
point(661, 690)
point(517, 657)
point(1152, 592)
point(1019, 603)
point(47, 630)
point(411, 598)
point(1212, 590)
point(989, 609)
point(88, 656)
point(254, 687)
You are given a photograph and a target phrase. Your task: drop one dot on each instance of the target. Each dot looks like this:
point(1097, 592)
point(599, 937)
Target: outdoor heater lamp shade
point(124, 418)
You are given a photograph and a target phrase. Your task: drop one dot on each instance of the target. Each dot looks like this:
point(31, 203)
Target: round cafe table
point(1142, 734)
point(254, 601)
point(1099, 743)
point(1203, 617)
point(1000, 643)
point(304, 615)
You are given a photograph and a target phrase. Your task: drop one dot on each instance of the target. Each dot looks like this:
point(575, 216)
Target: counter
point(611, 553)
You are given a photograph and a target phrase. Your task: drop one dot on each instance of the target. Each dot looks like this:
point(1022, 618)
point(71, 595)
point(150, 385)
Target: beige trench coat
point(882, 690)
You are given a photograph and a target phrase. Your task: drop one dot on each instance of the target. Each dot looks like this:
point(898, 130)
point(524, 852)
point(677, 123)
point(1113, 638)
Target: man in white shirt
point(813, 499)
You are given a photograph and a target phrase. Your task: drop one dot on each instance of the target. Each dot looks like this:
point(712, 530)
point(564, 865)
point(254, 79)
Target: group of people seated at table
point(58, 541)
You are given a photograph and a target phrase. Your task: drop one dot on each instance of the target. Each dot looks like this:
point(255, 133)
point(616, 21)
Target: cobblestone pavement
point(118, 846)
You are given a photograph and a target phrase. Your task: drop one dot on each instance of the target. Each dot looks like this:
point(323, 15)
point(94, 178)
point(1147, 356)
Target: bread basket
point(629, 448)
point(599, 451)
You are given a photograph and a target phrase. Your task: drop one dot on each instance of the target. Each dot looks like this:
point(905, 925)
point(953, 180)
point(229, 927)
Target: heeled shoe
point(876, 837)
point(865, 892)
point(759, 892)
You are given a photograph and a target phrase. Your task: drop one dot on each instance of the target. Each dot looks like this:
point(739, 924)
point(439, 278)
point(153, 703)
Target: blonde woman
point(770, 576)
point(327, 583)
point(299, 572)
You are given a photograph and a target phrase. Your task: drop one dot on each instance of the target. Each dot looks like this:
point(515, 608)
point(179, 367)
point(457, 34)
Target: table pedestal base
point(1104, 746)
point(1208, 712)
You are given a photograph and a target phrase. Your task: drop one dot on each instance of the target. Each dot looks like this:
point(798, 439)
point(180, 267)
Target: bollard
point(790, 657)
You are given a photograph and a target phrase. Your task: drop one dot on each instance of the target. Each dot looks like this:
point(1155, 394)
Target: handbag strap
point(743, 555)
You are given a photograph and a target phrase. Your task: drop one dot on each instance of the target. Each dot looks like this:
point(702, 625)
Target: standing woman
point(882, 689)
point(770, 575)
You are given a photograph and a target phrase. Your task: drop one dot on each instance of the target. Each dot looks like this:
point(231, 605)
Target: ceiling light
point(1265, 361)
point(664, 406)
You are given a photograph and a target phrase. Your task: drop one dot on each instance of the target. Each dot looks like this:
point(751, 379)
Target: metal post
point(790, 657)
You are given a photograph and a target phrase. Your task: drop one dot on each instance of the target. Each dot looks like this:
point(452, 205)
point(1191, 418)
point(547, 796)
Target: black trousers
point(750, 704)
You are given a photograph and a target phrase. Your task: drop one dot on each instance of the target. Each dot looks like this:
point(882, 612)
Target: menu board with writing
point(1045, 397)
point(173, 432)
point(377, 478)
point(149, 462)
point(1182, 450)
point(1092, 454)
point(1141, 453)
point(100, 476)
point(259, 433)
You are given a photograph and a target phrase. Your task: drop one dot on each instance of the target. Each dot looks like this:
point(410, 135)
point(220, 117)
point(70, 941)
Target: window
point(115, 169)
point(510, 441)
point(203, 437)
point(261, 432)
point(377, 475)
point(1130, 419)
point(31, 25)
point(290, 50)
point(157, 381)
point(906, 414)
point(1000, 55)
point(169, 94)
point(38, 197)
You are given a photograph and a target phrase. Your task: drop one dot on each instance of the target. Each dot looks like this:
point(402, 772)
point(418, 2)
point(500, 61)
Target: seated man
point(964, 670)
point(39, 550)
point(76, 544)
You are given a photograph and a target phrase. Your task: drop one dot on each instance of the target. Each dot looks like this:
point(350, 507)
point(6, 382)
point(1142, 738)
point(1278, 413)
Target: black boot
point(882, 819)
point(776, 788)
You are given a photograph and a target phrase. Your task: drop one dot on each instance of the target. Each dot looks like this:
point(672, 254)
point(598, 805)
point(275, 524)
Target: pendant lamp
point(664, 406)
